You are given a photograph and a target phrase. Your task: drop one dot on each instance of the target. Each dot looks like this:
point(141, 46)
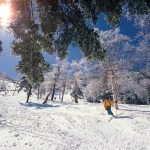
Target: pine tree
point(65, 22)
point(28, 46)
point(76, 92)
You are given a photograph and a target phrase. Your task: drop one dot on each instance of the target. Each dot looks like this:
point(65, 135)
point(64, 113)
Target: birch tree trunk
point(113, 84)
point(104, 77)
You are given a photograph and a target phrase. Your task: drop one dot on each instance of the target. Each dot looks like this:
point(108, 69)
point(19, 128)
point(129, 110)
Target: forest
point(113, 64)
point(98, 102)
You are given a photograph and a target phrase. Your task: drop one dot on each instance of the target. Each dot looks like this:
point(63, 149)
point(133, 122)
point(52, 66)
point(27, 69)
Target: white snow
point(69, 126)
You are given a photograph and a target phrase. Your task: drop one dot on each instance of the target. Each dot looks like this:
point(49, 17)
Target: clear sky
point(8, 62)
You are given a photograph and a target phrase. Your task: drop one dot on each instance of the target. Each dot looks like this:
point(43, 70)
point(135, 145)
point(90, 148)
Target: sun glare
point(5, 13)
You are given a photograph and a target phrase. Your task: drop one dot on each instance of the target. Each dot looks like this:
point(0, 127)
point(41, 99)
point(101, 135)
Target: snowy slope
point(6, 78)
point(68, 126)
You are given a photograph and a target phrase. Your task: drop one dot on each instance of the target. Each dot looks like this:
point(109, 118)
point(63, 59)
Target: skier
point(107, 106)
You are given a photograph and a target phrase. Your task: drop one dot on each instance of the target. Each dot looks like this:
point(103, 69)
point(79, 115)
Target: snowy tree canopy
point(62, 23)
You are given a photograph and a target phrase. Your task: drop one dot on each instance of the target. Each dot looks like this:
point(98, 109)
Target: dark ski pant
point(109, 111)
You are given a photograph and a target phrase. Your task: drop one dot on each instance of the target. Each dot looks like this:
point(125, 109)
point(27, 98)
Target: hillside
point(6, 78)
point(68, 126)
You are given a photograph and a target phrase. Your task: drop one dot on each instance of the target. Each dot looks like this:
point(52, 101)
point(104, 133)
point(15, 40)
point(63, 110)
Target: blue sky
point(8, 62)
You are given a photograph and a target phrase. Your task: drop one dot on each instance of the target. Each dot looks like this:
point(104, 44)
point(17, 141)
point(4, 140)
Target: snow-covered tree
point(3, 83)
point(114, 42)
point(76, 80)
point(139, 61)
point(52, 79)
point(63, 79)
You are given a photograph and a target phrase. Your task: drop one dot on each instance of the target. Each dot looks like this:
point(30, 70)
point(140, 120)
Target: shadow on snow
point(136, 110)
point(37, 105)
point(123, 117)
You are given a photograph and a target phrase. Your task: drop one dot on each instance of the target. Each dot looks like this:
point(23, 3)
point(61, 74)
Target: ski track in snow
point(56, 126)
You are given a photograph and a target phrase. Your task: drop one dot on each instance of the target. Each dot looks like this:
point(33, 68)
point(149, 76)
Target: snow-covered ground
point(69, 126)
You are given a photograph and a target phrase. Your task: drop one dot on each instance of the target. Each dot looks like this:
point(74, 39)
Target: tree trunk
point(104, 79)
point(148, 99)
point(76, 99)
point(55, 82)
point(29, 94)
point(76, 92)
point(38, 92)
point(114, 88)
point(64, 88)
point(53, 93)
point(59, 92)
point(45, 102)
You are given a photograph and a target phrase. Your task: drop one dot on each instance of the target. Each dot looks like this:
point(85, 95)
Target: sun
point(5, 13)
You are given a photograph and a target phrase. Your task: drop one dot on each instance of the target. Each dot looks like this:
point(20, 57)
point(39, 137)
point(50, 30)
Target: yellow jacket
point(108, 103)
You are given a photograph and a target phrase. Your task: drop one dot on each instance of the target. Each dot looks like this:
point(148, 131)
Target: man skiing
point(107, 106)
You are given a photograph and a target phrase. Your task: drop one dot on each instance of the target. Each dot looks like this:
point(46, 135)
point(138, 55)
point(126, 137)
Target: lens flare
point(5, 13)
